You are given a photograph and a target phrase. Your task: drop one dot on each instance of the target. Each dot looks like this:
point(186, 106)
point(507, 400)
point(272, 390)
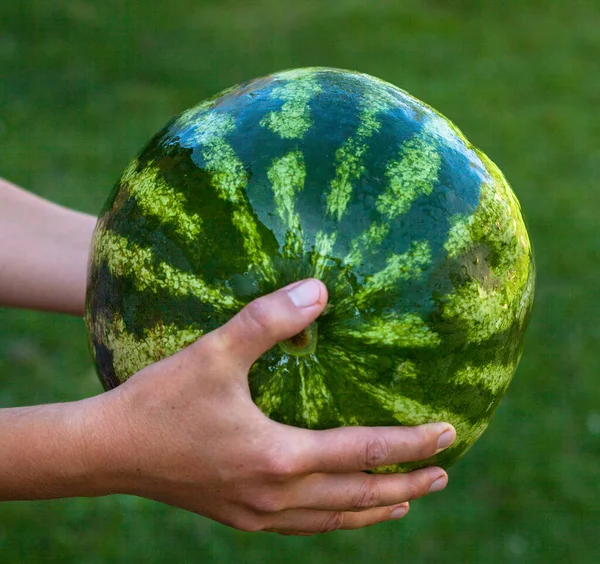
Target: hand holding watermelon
point(186, 432)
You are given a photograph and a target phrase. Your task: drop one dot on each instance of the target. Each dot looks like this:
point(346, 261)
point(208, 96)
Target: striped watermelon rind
point(340, 176)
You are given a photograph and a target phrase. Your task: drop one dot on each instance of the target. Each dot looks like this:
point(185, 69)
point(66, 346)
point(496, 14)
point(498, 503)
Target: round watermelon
point(336, 175)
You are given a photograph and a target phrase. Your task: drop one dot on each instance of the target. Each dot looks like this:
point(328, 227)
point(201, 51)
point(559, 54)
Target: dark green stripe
point(142, 310)
point(218, 237)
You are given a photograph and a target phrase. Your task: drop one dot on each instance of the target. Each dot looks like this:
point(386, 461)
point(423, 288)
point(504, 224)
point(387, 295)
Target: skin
point(44, 252)
point(185, 431)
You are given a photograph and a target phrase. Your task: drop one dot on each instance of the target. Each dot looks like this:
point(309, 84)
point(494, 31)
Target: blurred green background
point(83, 86)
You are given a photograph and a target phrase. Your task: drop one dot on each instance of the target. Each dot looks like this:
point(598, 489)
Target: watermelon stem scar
point(302, 343)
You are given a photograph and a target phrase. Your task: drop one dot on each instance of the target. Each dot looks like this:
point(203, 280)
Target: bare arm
point(43, 252)
point(185, 432)
point(42, 452)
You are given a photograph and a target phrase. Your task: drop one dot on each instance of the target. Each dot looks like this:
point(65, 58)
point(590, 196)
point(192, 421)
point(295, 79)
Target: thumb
point(270, 319)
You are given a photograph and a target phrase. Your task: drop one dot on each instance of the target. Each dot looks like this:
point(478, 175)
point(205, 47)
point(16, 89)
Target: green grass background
point(84, 84)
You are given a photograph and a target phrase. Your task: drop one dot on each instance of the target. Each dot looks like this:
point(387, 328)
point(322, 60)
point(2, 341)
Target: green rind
point(333, 174)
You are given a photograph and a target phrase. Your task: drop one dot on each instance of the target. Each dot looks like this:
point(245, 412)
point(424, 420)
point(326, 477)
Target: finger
point(308, 522)
point(270, 319)
point(352, 449)
point(359, 491)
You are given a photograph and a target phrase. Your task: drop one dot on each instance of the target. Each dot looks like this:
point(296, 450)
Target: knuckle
point(333, 522)
point(425, 443)
point(211, 348)
point(255, 318)
point(279, 467)
point(267, 503)
point(412, 490)
point(377, 452)
point(415, 487)
point(247, 524)
point(366, 497)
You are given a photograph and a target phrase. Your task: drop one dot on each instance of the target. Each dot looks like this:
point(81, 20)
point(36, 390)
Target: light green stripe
point(293, 120)
point(314, 393)
point(493, 377)
point(322, 252)
point(156, 198)
point(356, 367)
point(368, 239)
point(229, 178)
point(411, 412)
point(244, 222)
point(189, 118)
point(407, 266)
point(313, 397)
point(272, 390)
point(349, 157)
point(483, 312)
point(131, 354)
point(497, 295)
point(406, 370)
point(208, 126)
point(227, 171)
point(406, 411)
point(413, 175)
point(124, 258)
point(459, 235)
point(407, 330)
point(287, 175)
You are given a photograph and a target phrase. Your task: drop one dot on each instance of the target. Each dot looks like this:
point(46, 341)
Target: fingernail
point(446, 439)
point(306, 293)
point(439, 484)
point(399, 512)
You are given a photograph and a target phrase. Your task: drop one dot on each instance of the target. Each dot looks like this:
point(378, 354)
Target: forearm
point(43, 453)
point(43, 252)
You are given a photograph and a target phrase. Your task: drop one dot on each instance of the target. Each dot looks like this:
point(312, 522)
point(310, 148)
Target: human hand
point(186, 432)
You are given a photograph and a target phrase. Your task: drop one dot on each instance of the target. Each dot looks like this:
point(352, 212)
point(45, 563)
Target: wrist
point(102, 436)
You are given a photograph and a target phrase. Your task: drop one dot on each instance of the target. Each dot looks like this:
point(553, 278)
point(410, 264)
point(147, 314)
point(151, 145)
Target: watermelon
point(337, 175)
